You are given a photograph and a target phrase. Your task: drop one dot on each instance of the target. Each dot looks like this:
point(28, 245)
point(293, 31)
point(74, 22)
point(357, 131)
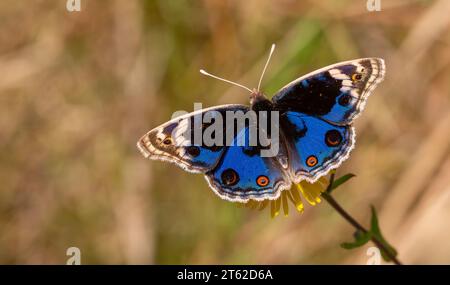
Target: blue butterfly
point(316, 133)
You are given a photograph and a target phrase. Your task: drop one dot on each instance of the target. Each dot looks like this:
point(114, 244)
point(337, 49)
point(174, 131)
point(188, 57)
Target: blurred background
point(78, 89)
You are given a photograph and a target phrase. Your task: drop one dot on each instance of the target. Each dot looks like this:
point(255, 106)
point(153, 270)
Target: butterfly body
point(315, 115)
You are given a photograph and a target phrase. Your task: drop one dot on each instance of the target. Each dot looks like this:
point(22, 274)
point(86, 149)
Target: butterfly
point(316, 112)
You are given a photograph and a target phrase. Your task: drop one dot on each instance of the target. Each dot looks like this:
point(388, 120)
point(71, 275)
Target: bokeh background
point(78, 89)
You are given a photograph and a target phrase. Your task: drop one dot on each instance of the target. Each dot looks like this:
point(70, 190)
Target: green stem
point(333, 203)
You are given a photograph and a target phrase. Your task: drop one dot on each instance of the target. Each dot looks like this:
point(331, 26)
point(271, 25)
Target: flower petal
point(285, 203)
point(294, 196)
point(311, 192)
point(275, 208)
point(263, 205)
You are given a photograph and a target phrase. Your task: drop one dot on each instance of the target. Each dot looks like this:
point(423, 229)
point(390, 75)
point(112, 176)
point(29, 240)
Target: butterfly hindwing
point(314, 145)
point(242, 173)
point(336, 93)
point(174, 141)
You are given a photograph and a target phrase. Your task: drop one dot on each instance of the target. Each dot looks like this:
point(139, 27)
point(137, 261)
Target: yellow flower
point(310, 191)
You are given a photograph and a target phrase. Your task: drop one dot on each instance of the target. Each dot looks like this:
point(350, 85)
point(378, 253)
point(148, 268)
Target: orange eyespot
point(311, 161)
point(167, 141)
point(262, 180)
point(356, 77)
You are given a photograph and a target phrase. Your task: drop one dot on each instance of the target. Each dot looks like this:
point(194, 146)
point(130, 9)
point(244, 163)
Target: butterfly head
point(259, 102)
point(257, 98)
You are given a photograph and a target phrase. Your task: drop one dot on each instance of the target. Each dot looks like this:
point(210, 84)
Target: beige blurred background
point(78, 89)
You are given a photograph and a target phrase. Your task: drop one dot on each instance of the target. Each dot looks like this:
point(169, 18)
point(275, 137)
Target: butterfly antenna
point(225, 80)
point(265, 66)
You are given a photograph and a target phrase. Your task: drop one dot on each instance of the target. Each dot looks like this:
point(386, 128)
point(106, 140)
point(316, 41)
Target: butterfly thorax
point(259, 102)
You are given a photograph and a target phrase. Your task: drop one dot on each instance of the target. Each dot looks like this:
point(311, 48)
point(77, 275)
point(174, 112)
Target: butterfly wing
point(317, 111)
point(314, 145)
point(336, 93)
point(243, 174)
point(174, 141)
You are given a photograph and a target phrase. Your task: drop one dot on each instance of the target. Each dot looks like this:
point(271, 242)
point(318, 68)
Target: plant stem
point(333, 203)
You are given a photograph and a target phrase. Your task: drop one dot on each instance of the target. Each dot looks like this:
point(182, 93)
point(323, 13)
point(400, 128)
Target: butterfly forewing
point(336, 93)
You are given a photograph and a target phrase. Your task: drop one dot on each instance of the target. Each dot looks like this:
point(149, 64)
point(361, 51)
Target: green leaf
point(341, 180)
point(361, 238)
point(376, 232)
